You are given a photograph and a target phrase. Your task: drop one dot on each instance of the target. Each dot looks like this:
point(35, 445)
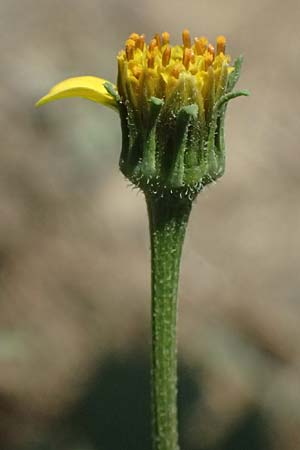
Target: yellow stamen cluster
point(154, 69)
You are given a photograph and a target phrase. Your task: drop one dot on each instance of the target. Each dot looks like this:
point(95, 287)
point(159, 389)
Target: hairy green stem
point(168, 219)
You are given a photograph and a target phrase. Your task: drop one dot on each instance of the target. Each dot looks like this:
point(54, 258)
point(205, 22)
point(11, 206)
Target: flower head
point(172, 102)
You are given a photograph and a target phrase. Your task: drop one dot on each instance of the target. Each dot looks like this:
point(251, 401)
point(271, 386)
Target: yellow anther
point(130, 43)
point(200, 45)
point(152, 45)
point(208, 59)
point(150, 61)
point(186, 38)
point(129, 48)
point(140, 42)
point(165, 37)
point(166, 56)
point(187, 57)
point(158, 39)
point(211, 50)
point(134, 36)
point(221, 43)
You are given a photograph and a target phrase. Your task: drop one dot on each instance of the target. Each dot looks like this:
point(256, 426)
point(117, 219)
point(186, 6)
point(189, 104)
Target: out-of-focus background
point(74, 250)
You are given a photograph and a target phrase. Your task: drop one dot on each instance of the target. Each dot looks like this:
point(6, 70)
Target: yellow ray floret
point(91, 88)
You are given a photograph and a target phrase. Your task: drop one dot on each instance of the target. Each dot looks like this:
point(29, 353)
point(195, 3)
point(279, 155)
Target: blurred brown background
point(74, 258)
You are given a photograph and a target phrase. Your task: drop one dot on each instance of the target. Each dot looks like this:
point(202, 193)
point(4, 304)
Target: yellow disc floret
point(157, 68)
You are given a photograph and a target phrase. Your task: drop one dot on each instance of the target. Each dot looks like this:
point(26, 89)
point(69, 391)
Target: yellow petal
point(88, 87)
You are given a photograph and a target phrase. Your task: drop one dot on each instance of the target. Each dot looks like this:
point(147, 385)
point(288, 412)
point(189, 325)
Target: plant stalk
point(168, 219)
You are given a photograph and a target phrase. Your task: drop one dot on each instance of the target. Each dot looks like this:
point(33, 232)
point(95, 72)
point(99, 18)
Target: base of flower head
point(155, 187)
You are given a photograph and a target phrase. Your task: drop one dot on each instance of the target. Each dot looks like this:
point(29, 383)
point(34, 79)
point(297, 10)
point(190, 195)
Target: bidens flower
point(172, 103)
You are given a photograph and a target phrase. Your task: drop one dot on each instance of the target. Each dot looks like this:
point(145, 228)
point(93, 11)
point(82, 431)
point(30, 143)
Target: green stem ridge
point(168, 219)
